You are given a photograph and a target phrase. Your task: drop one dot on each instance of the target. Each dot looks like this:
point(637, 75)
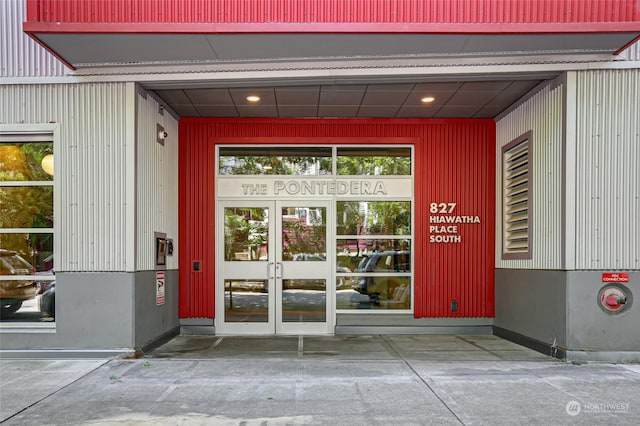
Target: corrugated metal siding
point(157, 182)
point(454, 164)
point(632, 53)
point(457, 166)
point(370, 11)
point(92, 230)
point(543, 115)
point(608, 170)
point(20, 56)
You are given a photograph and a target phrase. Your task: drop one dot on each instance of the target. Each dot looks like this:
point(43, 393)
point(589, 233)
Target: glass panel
point(246, 233)
point(304, 300)
point(374, 292)
point(26, 207)
point(373, 217)
point(374, 161)
point(373, 255)
point(25, 161)
point(304, 233)
point(246, 300)
point(14, 293)
point(37, 249)
point(289, 160)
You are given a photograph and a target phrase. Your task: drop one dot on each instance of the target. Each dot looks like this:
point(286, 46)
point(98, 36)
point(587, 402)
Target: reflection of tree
point(26, 206)
point(244, 230)
point(22, 162)
point(274, 165)
point(374, 218)
point(374, 165)
point(350, 221)
point(389, 217)
point(302, 238)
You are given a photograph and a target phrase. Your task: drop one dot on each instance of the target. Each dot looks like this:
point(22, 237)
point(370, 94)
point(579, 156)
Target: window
point(516, 204)
point(26, 226)
point(373, 255)
point(374, 161)
point(285, 160)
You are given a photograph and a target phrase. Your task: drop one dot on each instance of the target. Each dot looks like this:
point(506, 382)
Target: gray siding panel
point(157, 181)
point(608, 169)
point(542, 114)
point(93, 228)
point(21, 56)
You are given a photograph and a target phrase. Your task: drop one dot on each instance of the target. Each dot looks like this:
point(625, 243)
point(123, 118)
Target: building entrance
point(274, 267)
point(306, 233)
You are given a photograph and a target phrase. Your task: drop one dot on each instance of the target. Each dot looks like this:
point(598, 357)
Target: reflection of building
point(520, 132)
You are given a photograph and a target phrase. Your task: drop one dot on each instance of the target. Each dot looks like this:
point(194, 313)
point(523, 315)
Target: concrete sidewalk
point(337, 380)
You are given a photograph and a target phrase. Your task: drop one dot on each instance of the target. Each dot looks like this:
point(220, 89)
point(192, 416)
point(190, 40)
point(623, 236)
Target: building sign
point(445, 225)
point(268, 186)
point(615, 277)
point(160, 288)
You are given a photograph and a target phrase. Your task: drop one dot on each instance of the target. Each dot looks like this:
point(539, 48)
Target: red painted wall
point(455, 163)
point(334, 11)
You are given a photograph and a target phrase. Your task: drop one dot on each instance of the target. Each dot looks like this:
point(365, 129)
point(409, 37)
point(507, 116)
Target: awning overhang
point(116, 44)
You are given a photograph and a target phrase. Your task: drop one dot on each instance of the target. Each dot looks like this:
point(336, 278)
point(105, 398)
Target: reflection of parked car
point(309, 257)
point(43, 285)
point(342, 282)
point(48, 301)
point(13, 293)
point(382, 287)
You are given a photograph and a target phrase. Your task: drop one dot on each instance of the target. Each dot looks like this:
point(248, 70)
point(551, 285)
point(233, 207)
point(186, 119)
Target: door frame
point(274, 324)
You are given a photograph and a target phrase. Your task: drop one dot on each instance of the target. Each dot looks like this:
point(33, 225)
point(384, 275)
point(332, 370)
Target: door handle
point(269, 275)
point(278, 270)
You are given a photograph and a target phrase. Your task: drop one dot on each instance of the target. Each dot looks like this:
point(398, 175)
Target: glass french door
point(273, 267)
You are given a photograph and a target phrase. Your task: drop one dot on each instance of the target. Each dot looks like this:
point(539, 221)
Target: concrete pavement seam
point(54, 392)
point(472, 343)
point(425, 382)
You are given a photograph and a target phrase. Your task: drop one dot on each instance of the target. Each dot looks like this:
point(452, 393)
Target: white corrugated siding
point(92, 232)
point(543, 115)
point(157, 187)
point(608, 169)
point(632, 53)
point(20, 56)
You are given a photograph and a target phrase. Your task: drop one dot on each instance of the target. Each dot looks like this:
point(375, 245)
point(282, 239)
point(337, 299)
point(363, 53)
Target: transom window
point(315, 161)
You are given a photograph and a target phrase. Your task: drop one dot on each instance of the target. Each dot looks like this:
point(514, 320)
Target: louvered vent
point(516, 208)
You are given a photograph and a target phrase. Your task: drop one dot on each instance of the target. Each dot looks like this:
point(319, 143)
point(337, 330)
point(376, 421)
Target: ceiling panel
point(377, 111)
point(458, 111)
point(470, 98)
point(341, 97)
point(294, 111)
point(338, 111)
point(459, 99)
point(217, 111)
point(209, 96)
point(267, 96)
point(297, 97)
point(258, 111)
point(386, 97)
point(426, 111)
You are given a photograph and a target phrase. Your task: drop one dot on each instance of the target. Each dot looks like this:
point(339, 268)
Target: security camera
point(162, 135)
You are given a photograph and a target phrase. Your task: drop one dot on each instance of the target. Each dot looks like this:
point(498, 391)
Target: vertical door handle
point(278, 269)
point(269, 265)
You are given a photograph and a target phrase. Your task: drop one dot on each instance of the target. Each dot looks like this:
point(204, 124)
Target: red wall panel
point(333, 11)
point(454, 164)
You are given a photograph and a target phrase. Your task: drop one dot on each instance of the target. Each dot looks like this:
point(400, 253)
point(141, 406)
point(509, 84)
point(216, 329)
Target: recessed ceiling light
point(253, 98)
point(427, 99)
